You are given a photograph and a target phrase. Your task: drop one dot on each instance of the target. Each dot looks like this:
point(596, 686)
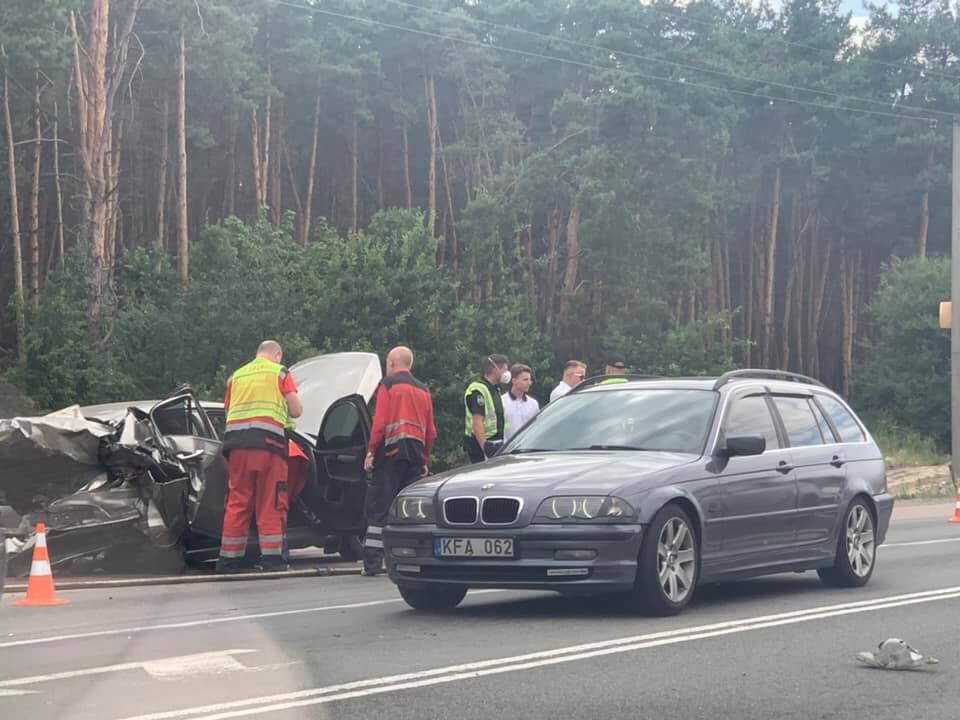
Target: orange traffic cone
point(956, 510)
point(40, 590)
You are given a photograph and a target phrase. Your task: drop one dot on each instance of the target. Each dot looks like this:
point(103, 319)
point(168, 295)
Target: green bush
point(903, 380)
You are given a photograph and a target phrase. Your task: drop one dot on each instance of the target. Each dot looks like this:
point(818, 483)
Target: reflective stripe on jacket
point(258, 413)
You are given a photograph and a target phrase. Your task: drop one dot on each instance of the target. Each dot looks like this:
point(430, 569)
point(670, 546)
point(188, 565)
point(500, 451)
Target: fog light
point(404, 552)
point(407, 568)
point(575, 554)
point(567, 572)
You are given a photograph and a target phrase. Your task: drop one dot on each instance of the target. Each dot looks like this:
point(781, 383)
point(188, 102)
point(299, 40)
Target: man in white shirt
point(518, 407)
point(573, 374)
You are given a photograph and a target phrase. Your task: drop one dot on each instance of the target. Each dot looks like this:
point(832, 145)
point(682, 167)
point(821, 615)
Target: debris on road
point(895, 654)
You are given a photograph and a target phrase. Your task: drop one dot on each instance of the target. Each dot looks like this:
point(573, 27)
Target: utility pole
point(955, 305)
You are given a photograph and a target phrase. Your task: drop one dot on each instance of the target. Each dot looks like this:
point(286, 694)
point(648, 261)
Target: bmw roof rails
point(755, 374)
point(598, 379)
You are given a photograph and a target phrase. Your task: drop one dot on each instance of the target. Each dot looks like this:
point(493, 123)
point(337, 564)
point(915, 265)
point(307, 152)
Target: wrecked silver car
point(142, 485)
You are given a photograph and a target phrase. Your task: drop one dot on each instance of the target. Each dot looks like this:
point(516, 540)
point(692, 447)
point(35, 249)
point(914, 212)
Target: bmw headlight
point(412, 510)
point(584, 508)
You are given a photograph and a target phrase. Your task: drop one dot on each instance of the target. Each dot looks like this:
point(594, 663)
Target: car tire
point(350, 548)
point(425, 597)
point(856, 555)
point(669, 564)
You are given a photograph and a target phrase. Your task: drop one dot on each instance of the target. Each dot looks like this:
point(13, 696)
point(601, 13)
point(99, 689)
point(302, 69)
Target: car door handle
point(837, 461)
point(784, 467)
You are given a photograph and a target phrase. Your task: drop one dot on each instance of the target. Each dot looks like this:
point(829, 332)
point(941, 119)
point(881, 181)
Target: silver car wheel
point(860, 540)
point(676, 560)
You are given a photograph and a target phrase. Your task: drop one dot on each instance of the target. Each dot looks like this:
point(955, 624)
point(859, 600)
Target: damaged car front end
point(142, 486)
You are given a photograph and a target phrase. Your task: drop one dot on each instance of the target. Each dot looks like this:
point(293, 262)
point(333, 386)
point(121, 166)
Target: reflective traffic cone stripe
point(40, 589)
point(956, 510)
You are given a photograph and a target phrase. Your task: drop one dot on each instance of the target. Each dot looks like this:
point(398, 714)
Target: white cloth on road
point(895, 654)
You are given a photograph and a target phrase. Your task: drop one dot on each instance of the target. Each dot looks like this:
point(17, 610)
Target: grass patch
point(908, 449)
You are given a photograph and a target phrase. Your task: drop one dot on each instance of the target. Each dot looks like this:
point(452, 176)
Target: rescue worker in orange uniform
point(260, 401)
point(401, 441)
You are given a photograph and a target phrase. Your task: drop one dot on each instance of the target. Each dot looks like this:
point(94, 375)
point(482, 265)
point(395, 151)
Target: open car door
point(184, 430)
point(338, 495)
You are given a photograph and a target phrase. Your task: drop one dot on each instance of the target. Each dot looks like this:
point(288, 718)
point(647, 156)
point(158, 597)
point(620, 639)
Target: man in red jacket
point(400, 444)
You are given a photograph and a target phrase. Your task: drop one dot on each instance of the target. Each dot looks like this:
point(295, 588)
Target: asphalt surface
point(347, 647)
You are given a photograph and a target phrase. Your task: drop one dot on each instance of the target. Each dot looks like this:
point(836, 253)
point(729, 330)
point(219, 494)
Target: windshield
point(656, 420)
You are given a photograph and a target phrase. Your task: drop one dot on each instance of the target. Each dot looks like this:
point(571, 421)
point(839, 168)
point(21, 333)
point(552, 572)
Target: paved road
point(778, 647)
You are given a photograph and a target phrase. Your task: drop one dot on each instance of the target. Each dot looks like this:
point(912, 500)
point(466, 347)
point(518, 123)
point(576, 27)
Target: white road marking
point(212, 621)
point(163, 667)
point(193, 665)
point(472, 670)
point(920, 542)
point(11, 693)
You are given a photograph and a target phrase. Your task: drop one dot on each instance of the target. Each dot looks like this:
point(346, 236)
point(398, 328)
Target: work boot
point(372, 562)
point(230, 566)
point(272, 564)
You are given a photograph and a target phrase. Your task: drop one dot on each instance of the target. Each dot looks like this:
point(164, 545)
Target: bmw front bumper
point(410, 556)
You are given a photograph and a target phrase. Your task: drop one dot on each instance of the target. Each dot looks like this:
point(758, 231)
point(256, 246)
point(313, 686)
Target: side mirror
point(744, 445)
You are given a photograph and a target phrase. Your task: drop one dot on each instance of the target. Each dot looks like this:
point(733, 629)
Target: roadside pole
point(955, 306)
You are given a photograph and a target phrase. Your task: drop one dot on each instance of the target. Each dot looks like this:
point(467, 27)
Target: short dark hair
point(492, 362)
point(519, 368)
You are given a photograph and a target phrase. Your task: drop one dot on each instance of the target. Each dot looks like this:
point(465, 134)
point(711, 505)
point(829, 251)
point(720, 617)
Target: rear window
point(847, 426)
point(799, 421)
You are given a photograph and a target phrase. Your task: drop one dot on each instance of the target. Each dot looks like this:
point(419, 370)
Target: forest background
point(695, 186)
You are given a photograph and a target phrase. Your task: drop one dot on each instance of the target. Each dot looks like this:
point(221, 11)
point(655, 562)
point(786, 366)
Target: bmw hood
point(324, 379)
point(543, 475)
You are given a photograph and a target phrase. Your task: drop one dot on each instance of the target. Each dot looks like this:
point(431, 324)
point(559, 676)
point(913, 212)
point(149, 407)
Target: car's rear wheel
point(856, 548)
point(669, 564)
point(432, 597)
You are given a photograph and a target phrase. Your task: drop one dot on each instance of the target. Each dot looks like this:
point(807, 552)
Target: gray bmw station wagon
point(647, 487)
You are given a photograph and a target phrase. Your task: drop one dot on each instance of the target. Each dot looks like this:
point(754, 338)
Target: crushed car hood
point(44, 455)
point(324, 379)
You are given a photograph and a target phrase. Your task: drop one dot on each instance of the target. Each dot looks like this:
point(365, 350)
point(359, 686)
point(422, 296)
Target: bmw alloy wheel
point(861, 540)
point(676, 560)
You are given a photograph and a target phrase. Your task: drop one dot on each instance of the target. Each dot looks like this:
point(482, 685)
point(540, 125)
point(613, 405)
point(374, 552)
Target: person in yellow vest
point(616, 370)
point(484, 421)
point(260, 403)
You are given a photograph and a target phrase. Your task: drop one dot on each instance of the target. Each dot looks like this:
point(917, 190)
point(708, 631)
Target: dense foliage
point(693, 186)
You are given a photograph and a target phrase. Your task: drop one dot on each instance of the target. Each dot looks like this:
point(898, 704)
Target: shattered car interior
point(141, 486)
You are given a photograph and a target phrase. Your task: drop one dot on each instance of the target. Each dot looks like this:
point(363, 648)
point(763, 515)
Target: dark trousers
point(390, 476)
point(473, 449)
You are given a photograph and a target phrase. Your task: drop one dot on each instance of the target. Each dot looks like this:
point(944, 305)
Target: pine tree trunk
point(431, 97)
point(406, 168)
point(785, 336)
point(818, 305)
point(162, 179)
point(183, 240)
point(61, 249)
point(924, 214)
point(451, 230)
point(230, 189)
point(553, 244)
point(276, 185)
point(255, 154)
point(748, 300)
point(19, 298)
point(35, 198)
point(771, 273)
point(355, 179)
point(572, 272)
point(381, 198)
point(311, 174)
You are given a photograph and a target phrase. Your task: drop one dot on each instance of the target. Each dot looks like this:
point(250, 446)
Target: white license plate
point(473, 547)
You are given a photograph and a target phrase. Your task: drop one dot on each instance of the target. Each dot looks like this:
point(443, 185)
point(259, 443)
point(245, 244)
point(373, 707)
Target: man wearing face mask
point(484, 419)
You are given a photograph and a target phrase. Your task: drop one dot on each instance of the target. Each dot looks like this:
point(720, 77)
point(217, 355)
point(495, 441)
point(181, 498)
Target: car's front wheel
point(669, 564)
point(432, 597)
point(856, 549)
